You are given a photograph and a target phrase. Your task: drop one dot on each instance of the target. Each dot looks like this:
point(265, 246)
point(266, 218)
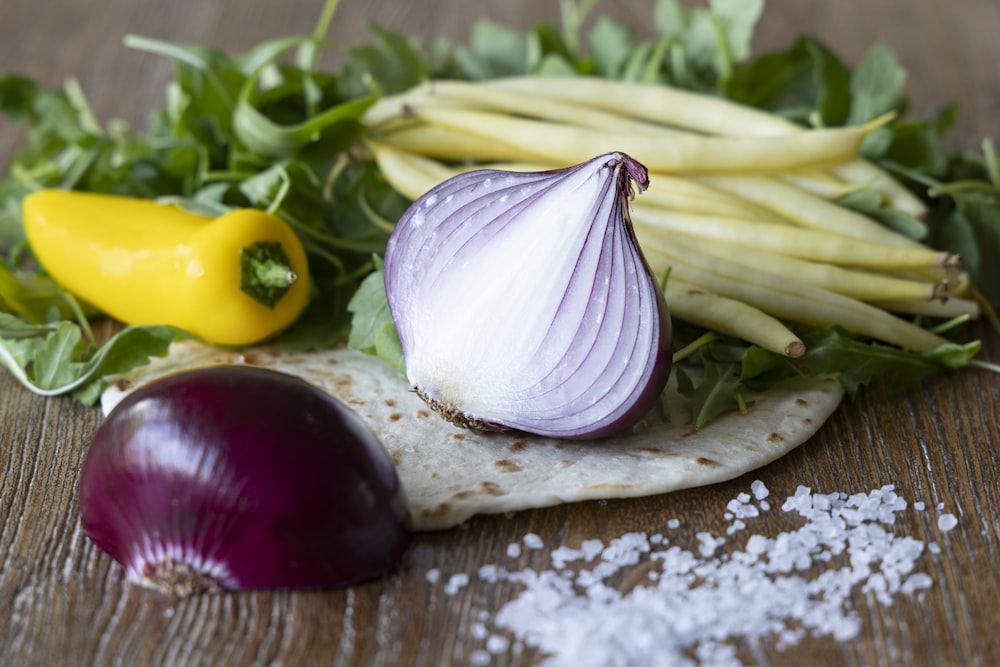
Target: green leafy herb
point(54, 359)
point(373, 330)
point(832, 351)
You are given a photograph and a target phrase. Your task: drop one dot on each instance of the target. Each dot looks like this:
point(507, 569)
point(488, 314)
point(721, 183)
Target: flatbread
point(450, 474)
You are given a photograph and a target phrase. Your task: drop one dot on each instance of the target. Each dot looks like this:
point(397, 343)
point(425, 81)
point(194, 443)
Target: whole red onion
point(235, 477)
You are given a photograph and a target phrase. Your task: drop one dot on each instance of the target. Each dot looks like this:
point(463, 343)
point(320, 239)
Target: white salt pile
point(694, 603)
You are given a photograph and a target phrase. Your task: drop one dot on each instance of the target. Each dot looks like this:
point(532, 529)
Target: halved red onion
point(235, 477)
point(522, 300)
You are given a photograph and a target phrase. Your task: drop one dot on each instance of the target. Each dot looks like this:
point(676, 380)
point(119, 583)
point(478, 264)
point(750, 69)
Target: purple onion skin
point(236, 477)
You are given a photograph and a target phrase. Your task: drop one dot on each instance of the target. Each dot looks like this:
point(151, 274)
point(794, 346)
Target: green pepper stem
point(265, 272)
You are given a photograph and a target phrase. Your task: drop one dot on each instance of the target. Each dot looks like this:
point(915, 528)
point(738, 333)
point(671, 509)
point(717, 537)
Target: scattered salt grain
point(479, 631)
point(433, 575)
point(497, 644)
point(920, 506)
point(695, 603)
point(947, 521)
point(673, 524)
point(456, 582)
point(708, 543)
point(513, 550)
point(533, 541)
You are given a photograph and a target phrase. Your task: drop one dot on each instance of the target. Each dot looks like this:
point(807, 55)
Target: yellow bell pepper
point(232, 280)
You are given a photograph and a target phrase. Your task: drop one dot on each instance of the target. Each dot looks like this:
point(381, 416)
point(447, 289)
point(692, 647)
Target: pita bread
point(450, 474)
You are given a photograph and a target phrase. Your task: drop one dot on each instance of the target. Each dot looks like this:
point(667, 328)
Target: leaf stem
point(695, 345)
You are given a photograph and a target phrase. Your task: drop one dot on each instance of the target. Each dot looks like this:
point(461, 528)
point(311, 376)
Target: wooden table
point(64, 602)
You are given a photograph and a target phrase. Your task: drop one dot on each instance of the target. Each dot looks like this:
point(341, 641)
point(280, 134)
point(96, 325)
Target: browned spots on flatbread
point(775, 437)
point(519, 446)
point(807, 420)
point(396, 456)
point(254, 358)
point(702, 461)
point(492, 489)
point(438, 510)
point(395, 416)
point(463, 494)
point(801, 402)
point(423, 414)
point(343, 383)
point(391, 402)
point(458, 436)
point(507, 465)
point(123, 385)
point(656, 452)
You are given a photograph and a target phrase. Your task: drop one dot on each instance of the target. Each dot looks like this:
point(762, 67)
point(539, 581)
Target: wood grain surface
point(62, 602)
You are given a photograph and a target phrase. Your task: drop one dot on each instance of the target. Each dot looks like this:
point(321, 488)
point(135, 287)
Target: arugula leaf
point(717, 392)
point(876, 86)
point(705, 44)
point(495, 50)
point(36, 297)
point(611, 43)
point(52, 359)
point(803, 82)
point(973, 230)
point(373, 330)
point(388, 64)
point(832, 351)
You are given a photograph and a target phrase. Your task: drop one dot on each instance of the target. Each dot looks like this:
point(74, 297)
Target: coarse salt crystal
point(455, 583)
point(591, 549)
point(759, 490)
point(497, 644)
point(533, 541)
point(513, 550)
point(795, 584)
point(432, 575)
point(947, 521)
point(916, 582)
point(708, 544)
